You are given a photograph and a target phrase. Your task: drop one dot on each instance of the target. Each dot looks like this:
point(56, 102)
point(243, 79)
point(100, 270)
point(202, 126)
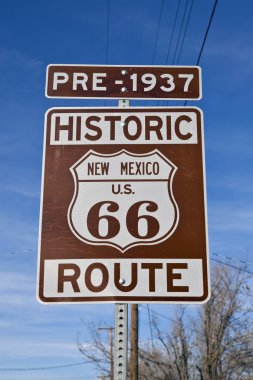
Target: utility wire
point(180, 31)
point(22, 252)
point(207, 30)
point(185, 31)
point(205, 37)
point(172, 34)
point(232, 259)
point(232, 266)
point(239, 261)
point(46, 368)
point(170, 44)
point(157, 31)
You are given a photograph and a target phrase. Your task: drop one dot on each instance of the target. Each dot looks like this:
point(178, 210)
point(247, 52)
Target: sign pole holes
point(121, 324)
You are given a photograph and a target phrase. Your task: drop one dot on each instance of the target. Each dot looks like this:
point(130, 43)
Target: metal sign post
point(121, 341)
point(121, 325)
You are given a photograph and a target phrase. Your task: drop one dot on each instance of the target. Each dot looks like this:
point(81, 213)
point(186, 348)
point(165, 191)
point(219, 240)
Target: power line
point(239, 261)
point(180, 31)
point(184, 34)
point(232, 259)
point(185, 31)
point(232, 266)
point(171, 40)
point(46, 368)
point(207, 30)
point(157, 31)
point(172, 34)
point(22, 252)
point(205, 37)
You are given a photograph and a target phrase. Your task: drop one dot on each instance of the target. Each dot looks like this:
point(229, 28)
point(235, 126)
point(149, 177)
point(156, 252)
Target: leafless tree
point(224, 337)
point(171, 358)
point(97, 351)
point(213, 343)
point(217, 343)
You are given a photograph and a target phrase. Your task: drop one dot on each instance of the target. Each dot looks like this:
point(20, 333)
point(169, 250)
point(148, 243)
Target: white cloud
point(230, 217)
point(32, 347)
point(238, 184)
point(230, 144)
point(19, 59)
point(17, 233)
point(12, 280)
point(236, 49)
point(26, 190)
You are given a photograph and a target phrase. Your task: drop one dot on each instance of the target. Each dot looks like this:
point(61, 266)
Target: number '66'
point(133, 220)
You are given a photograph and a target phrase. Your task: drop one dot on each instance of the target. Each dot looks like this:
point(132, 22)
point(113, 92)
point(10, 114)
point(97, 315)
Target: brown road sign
point(123, 212)
point(128, 82)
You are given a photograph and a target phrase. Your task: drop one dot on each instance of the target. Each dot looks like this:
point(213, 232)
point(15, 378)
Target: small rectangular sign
point(123, 206)
point(128, 82)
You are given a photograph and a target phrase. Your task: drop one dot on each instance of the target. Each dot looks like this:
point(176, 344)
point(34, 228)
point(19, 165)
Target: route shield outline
point(138, 205)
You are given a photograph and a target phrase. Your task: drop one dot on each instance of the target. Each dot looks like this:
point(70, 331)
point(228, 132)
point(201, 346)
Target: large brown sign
point(128, 82)
point(123, 215)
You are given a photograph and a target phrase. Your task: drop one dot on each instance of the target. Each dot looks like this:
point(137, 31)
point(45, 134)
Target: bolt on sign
point(123, 212)
point(130, 82)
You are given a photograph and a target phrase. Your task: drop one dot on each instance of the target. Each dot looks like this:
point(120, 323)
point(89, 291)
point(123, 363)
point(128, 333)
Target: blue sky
point(34, 34)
